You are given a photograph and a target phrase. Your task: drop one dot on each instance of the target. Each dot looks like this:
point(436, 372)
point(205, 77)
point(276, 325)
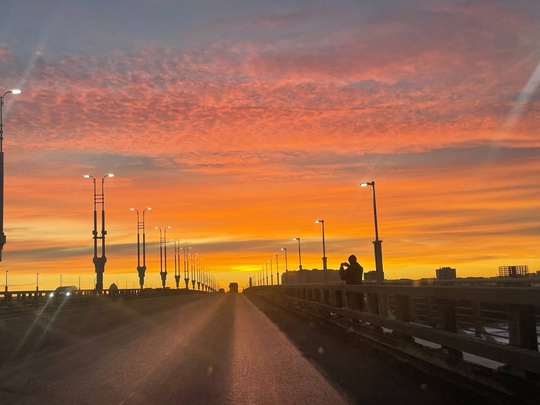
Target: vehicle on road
point(233, 288)
point(64, 292)
point(222, 291)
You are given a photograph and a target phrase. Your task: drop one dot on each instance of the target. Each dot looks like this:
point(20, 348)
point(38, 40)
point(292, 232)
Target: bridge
point(291, 344)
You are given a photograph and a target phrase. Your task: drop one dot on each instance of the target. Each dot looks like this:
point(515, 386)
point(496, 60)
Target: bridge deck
point(197, 349)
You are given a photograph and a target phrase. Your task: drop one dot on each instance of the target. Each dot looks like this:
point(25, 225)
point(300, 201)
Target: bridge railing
point(499, 324)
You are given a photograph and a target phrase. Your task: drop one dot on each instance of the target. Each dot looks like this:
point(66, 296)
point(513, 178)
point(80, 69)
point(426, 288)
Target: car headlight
point(68, 293)
point(51, 295)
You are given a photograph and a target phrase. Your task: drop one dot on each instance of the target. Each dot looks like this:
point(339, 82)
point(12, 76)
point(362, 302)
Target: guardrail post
point(403, 313)
point(448, 322)
point(309, 294)
point(317, 294)
point(326, 297)
point(402, 308)
point(447, 317)
point(338, 298)
point(477, 319)
point(522, 327)
point(373, 304)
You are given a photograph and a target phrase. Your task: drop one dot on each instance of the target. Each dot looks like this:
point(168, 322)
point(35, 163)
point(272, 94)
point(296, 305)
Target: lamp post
point(271, 273)
point(6, 285)
point(286, 263)
point(99, 262)
point(3, 235)
point(299, 261)
point(186, 267)
point(163, 249)
point(37, 281)
point(141, 270)
point(177, 262)
point(60, 280)
point(376, 243)
point(196, 279)
point(277, 268)
point(286, 266)
point(324, 258)
point(299, 254)
point(192, 271)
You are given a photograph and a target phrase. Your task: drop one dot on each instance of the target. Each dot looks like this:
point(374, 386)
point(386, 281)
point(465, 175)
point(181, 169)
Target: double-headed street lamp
point(324, 259)
point(3, 235)
point(186, 266)
point(377, 244)
point(162, 247)
point(177, 260)
point(141, 270)
point(99, 262)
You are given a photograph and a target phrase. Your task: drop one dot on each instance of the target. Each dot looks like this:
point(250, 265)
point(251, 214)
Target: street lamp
point(3, 235)
point(186, 266)
point(376, 243)
point(37, 281)
point(190, 255)
point(99, 262)
point(162, 245)
point(271, 273)
point(141, 270)
point(176, 262)
point(324, 259)
point(299, 254)
point(286, 266)
point(6, 286)
point(277, 268)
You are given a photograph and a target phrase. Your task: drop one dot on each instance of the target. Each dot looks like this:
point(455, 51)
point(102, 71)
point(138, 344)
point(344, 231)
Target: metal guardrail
point(459, 319)
point(6, 296)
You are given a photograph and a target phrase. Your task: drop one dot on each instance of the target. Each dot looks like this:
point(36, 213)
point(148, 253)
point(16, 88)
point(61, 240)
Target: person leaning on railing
point(351, 273)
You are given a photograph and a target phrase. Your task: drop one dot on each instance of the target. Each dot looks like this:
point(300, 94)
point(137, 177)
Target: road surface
point(211, 349)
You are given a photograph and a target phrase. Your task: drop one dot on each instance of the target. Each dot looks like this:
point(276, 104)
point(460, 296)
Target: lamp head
point(15, 91)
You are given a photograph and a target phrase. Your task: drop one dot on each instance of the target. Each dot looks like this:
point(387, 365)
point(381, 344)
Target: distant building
point(309, 276)
point(513, 271)
point(445, 273)
point(370, 275)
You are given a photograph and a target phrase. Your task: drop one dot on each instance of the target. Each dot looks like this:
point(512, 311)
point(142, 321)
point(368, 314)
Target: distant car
point(222, 291)
point(233, 288)
point(64, 292)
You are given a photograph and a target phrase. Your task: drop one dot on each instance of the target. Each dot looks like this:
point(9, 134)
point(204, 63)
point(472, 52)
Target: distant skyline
point(241, 123)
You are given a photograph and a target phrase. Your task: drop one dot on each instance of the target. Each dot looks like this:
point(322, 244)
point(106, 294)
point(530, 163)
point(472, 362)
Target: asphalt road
point(211, 349)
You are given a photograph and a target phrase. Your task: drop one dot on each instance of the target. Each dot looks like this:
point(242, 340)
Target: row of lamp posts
point(377, 244)
point(99, 261)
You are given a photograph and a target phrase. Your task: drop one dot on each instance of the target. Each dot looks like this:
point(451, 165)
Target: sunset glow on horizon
point(241, 123)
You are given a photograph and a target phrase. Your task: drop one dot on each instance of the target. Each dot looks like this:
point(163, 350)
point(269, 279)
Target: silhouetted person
point(352, 273)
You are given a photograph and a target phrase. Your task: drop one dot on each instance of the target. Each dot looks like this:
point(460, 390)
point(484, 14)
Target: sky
point(240, 123)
